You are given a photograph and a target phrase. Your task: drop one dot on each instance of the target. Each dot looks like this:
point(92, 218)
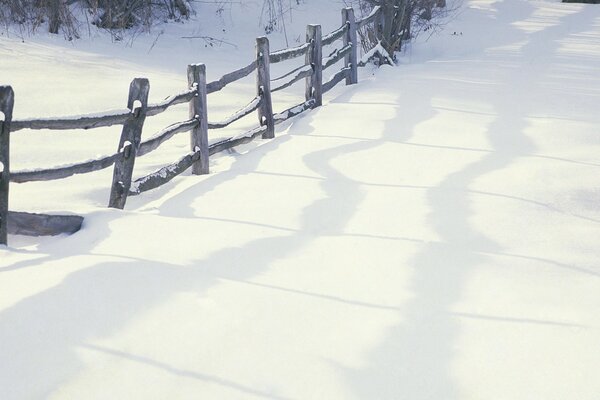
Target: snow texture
point(430, 233)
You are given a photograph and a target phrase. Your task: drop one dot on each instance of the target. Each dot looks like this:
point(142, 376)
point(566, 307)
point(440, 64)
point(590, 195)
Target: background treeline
point(62, 15)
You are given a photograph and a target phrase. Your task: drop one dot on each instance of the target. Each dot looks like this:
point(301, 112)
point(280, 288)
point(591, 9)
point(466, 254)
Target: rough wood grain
point(231, 77)
point(293, 111)
point(64, 171)
point(159, 138)
point(336, 56)
point(180, 98)
point(288, 54)
point(199, 111)
point(335, 79)
point(103, 119)
point(129, 142)
point(108, 118)
point(332, 37)
point(21, 223)
point(351, 37)
point(7, 101)
point(302, 74)
point(314, 58)
point(246, 110)
point(165, 174)
point(263, 87)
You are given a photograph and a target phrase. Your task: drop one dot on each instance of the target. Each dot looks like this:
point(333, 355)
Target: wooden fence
point(132, 120)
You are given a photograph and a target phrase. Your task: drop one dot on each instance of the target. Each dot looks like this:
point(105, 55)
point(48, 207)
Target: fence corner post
point(263, 83)
point(199, 110)
point(351, 37)
point(131, 136)
point(7, 101)
point(314, 58)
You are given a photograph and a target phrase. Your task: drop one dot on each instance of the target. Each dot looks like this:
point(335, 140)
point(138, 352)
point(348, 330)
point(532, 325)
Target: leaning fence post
point(130, 140)
point(263, 83)
point(198, 110)
point(314, 58)
point(351, 36)
point(7, 100)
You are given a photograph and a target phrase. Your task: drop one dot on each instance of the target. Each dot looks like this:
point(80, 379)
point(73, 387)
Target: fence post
point(130, 140)
point(7, 100)
point(263, 83)
point(351, 60)
point(199, 110)
point(314, 58)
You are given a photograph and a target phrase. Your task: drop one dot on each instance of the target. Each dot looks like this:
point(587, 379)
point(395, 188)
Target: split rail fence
point(132, 120)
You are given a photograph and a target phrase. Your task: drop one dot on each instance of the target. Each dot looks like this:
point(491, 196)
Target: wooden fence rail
point(132, 120)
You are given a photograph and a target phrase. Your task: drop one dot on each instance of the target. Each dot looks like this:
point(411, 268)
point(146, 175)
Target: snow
point(430, 233)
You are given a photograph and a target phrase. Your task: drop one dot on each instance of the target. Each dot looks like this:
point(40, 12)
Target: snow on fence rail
point(132, 120)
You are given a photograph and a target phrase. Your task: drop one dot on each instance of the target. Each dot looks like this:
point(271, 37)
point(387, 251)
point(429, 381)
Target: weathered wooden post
point(351, 36)
point(130, 140)
point(7, 101)
point(263, 83)
point(199, 110)
point(314, 58)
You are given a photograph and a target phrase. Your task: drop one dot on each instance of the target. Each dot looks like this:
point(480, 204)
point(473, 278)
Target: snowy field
point(430, 233)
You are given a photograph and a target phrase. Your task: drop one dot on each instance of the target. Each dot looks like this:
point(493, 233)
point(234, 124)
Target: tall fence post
point(263, 83)
point(314, 58)
point(199, 110)
point(7, 101)
point(351, 36)
point(130, 140)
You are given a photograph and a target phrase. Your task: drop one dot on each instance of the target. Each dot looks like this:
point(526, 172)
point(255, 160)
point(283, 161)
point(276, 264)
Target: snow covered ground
point(430, 233)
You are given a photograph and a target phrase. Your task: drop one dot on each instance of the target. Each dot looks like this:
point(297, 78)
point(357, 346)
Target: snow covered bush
point(59, 15)
point(403, 20)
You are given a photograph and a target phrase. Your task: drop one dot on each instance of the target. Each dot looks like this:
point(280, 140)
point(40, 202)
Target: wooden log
point(336, 56)
point(64, 171)
point(351, 60)
point(332, 37)
point(314, 58)
point(98, 120)
point(263, 84)
point(303, 73)
point(7, 101)
point(246, 110)
point(159, 138)
point(232, 142)
point(198, 110)
point(179, 98)
point(335, 79)
point(165, 174)
point(108, 118)
point(129, 142)
point(288, 54)
point(293, 111)
point(231, 77)
point(20, 223)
